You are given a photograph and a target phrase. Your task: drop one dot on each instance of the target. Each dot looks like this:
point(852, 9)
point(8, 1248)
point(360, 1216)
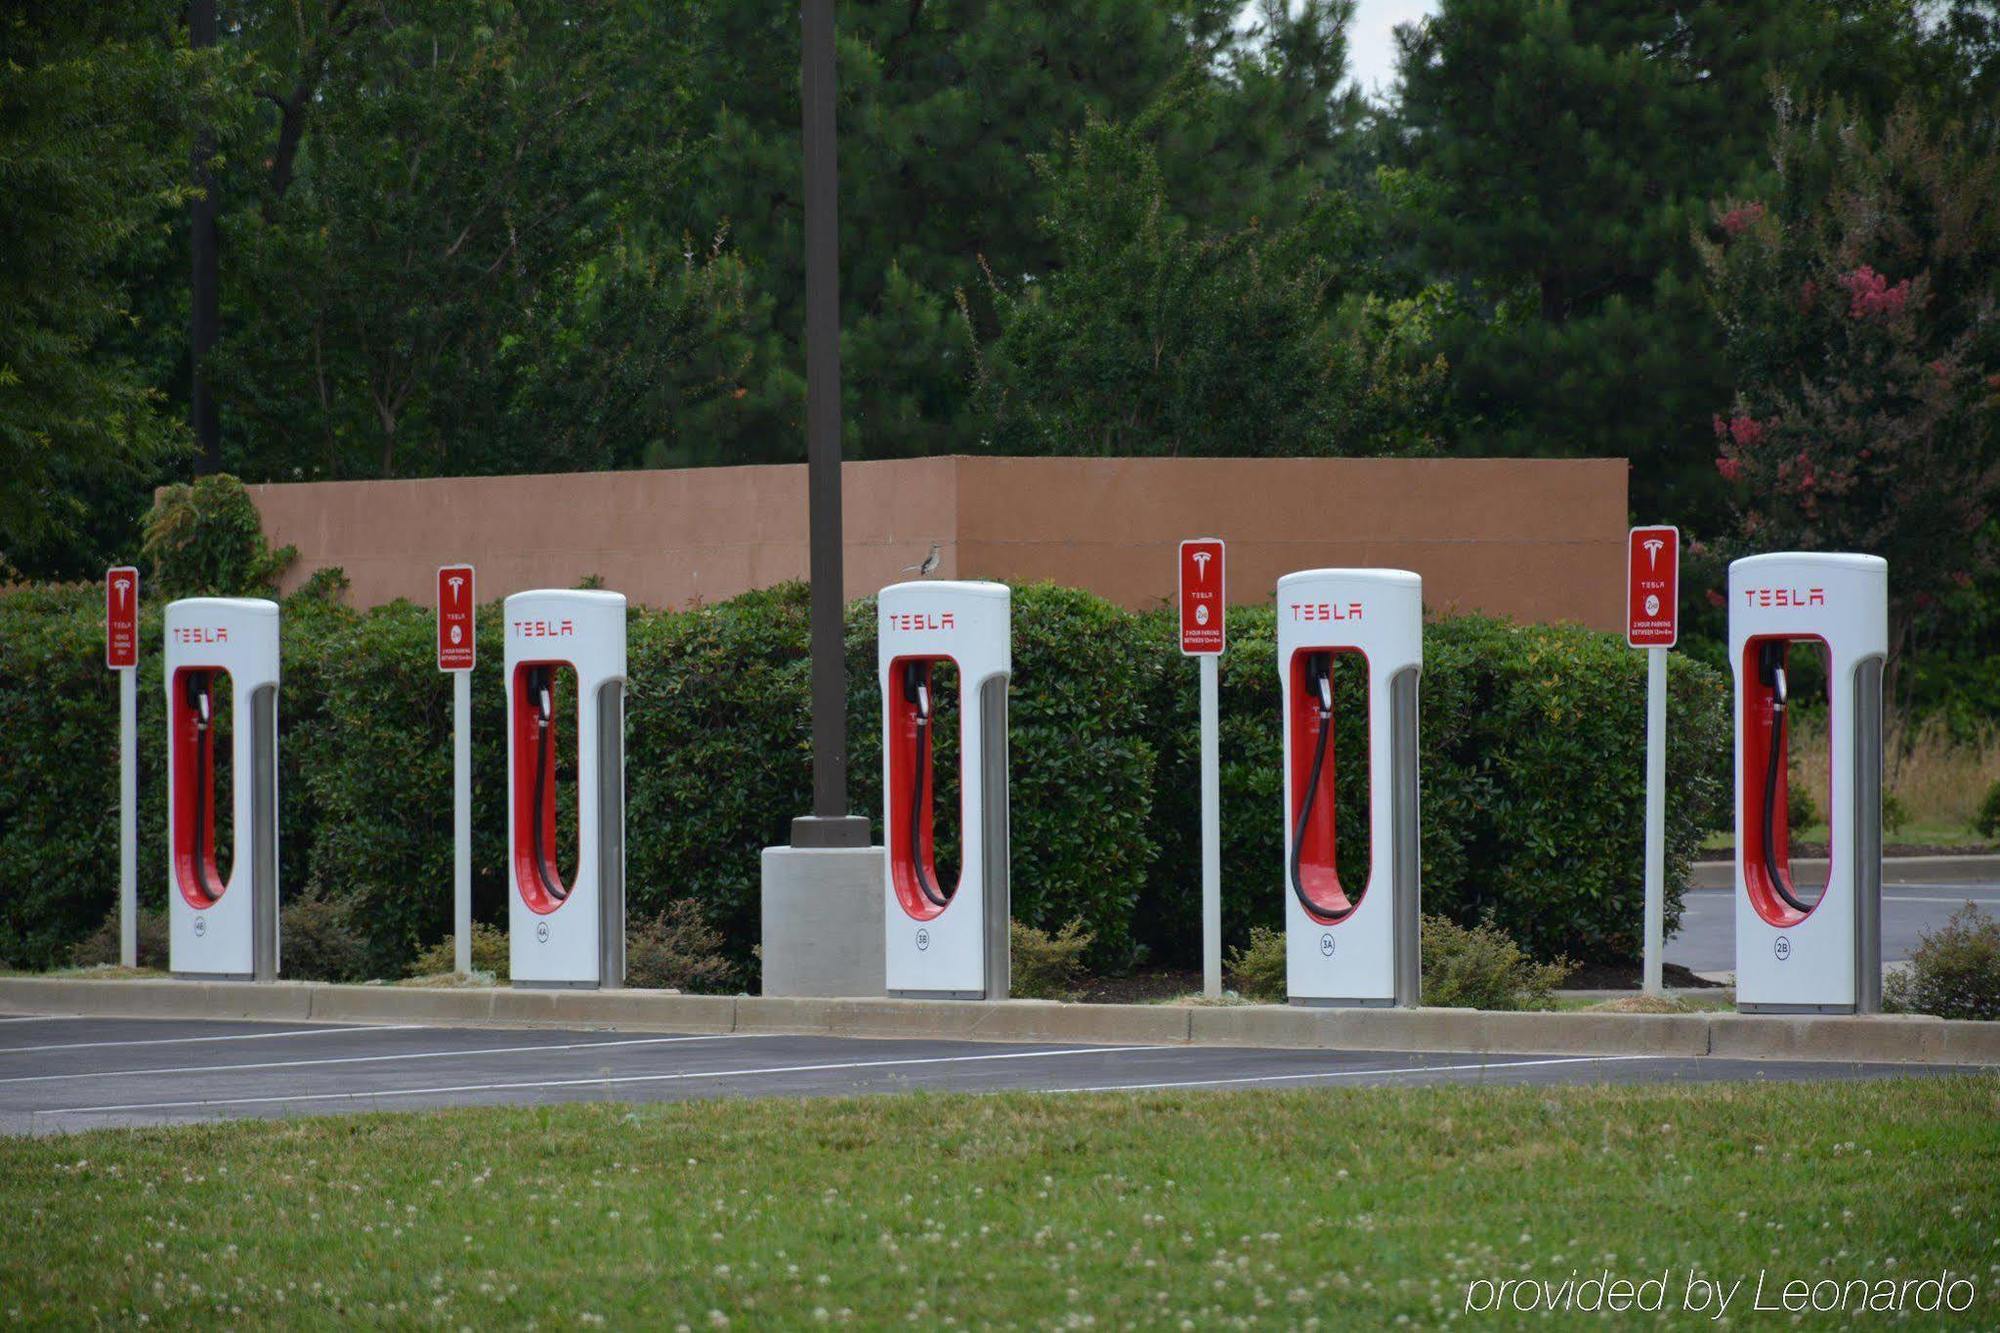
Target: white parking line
point(43, 1018)
point(606, 1081)
point(1956, 902)
point(1358, 1073)
point(373, 1059)
point(234, 1036)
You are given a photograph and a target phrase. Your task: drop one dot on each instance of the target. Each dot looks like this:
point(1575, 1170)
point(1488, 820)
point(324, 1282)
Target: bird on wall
point(927, 566)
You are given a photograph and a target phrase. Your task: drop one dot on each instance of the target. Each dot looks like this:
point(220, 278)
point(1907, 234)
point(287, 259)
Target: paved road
point(61, 1074)
point(1707, 938)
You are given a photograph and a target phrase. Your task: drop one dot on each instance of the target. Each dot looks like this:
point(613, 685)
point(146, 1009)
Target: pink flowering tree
point(1858, 303)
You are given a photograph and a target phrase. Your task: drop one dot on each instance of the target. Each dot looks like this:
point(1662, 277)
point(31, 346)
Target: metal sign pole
point(1211, 828)
point(461, 821)
point(1204, 609)
point(1653, 622)
point(128, 816)
point(1656, 814)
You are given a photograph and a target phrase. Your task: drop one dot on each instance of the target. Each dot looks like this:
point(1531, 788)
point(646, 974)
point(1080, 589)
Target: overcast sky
point(1371, 44)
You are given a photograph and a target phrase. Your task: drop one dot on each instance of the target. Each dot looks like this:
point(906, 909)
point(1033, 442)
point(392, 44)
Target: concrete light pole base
point(823, 921)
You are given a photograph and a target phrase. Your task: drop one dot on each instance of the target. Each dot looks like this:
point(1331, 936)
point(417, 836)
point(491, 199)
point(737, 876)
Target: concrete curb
point(1891, 1039)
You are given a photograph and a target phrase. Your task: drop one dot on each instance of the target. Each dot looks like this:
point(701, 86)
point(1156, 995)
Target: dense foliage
point(1102, 732)
point(1858, 305)
point(540, 235)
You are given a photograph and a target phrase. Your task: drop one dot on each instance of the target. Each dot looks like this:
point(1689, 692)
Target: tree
point(1152, 334)
point(92, 162)
point(438, 183)
point(1857, 305)
point(943, 105)
point(1570, 150)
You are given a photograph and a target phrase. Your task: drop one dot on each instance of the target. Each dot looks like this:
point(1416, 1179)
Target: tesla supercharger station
point(1800, 951)
point(222, 927)
point(945, 940)
point(565, 933)
point(1351, 944)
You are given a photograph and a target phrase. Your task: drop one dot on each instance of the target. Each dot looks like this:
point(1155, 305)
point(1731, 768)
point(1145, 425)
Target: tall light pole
point(204, 318)
point(830, 824)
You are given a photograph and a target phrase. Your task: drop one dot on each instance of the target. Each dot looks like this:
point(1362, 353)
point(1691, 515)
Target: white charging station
point(945, 941)
point(222, 927)
point(565, 934)
point(1797, 950)
point(1351, 944)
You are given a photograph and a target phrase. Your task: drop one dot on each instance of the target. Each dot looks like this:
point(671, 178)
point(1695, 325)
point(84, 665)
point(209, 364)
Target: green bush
point(1895, 812)
point(1987, 821)
point(677, 950)
point(59, 795)
point(1532, 753)
point(719, 756)
point(489, 954)
point(205, 539)
point(376, 764)
point(319, 940)
point(1479, 967)
point(103, 947)
point(1801, 811)
point(1257, 969)
point(1044, 966)
point(1954, 971)
point(1532, 757)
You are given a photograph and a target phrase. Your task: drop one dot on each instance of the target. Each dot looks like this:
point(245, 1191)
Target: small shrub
point(1954, 971)
point(100, 947)
point(1482, 968)
point(1895, 812)
point(677, 950)
point(320, 941)
point(206, 539)
point(489, 954)
point(1800, 807)
point(1987, 822)
point(1257, 970)
point(1045, 966)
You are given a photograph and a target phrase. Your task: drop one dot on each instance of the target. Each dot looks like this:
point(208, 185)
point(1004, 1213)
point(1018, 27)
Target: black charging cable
point(542, 692)
point(1319, 678)
point(917, 690)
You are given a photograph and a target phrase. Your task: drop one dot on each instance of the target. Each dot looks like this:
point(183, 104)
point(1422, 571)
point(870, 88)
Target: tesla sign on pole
point(455, 631)
point(1202, 610)
point(1652, 622)
point(457, 592)
point(121, 654)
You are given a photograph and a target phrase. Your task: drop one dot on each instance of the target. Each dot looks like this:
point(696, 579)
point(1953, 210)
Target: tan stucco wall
point(1538, 540)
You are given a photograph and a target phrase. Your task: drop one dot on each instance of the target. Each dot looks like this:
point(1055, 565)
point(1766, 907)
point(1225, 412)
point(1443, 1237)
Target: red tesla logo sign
point(455, 602)
point(1653, 587)
point(121, 618)
point(909, 622)
point(1201, 596)
point(1784, 597)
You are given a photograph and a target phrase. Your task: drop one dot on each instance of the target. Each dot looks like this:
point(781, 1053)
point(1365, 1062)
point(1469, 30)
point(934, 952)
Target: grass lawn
point(1183, 1210)
point(1914, 834)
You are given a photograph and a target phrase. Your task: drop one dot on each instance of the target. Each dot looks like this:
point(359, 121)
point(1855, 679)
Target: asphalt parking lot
point(67, 1074)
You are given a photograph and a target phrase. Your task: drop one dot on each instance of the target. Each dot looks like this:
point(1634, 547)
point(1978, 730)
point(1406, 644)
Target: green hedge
point(1532, 748)
point(1532, 751)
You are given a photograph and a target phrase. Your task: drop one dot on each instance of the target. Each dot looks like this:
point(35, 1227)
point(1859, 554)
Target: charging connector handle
point(917, 690)
point(1319, 678)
